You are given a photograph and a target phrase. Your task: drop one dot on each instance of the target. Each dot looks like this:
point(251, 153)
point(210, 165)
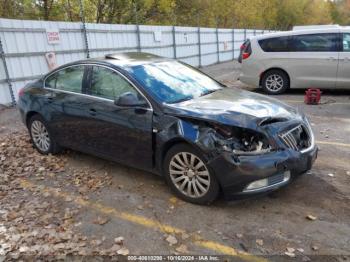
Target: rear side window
point(68, 79)
point(314, 43)
point(275, 44)
point(346, 42)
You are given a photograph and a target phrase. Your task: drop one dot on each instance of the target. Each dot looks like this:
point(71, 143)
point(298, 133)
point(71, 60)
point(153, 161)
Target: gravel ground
point(77, 204)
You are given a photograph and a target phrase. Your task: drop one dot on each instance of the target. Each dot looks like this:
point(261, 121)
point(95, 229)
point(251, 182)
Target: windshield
point(172, 82)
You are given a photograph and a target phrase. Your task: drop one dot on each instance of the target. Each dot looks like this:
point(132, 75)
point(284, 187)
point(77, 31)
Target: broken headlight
point(242, 141)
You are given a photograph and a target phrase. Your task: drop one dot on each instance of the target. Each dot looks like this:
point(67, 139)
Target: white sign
point(158, 36)
point(51, 60)
point(53, 36)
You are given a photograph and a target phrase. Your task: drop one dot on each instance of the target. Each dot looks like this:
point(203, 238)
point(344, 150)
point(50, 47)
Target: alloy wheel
point(274, 83)
point(189, 174)
point(40, 135)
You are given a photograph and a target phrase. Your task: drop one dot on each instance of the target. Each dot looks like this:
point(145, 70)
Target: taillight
point(245, 55)
point(21, 92)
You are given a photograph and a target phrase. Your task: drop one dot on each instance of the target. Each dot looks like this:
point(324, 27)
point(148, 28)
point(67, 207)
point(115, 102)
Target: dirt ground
point(77, 204)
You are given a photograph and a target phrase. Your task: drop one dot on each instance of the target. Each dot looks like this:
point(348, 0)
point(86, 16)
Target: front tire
point(188, 176)
point(275, 82)
point(41, 137)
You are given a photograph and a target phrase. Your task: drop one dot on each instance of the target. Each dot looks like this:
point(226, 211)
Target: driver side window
point(106, 83)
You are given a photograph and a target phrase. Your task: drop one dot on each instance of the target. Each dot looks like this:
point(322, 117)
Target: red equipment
point(312, 96)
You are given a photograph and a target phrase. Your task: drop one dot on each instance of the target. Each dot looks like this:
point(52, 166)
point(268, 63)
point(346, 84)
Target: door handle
point(49, 99)
point(92, 111)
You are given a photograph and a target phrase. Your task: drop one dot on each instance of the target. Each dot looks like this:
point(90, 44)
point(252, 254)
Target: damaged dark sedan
point(164, 116)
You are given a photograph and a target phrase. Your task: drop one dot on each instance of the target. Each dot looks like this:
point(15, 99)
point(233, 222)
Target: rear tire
point(188, 176)
point(275, 82)
point(41, 137)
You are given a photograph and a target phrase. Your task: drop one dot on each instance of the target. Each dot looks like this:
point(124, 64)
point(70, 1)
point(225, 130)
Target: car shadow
point(329, 92)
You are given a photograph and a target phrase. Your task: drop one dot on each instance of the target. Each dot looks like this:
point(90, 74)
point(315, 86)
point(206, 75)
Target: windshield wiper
point(181, 100)
point(208, 92)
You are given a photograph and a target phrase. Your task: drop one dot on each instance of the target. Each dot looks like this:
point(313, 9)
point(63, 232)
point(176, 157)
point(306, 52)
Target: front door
point(343, 78)
point(121, 134)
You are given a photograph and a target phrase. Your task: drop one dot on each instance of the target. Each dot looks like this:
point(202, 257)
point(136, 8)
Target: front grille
point(298, 138)
point(275, 179)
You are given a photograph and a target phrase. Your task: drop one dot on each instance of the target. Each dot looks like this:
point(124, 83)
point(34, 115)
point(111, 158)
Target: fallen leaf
point(171, 240)
point(182, 249)
point(123, 251)
point(289, 254)
point(185, 236)
point(239, 235)
point(314, 248)
point(101, 220)
point(260, 242)
point(119, 240)
point(290, 249)
point(311, 217)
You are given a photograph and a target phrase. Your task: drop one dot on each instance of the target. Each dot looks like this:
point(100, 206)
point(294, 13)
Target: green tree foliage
point(272, 14)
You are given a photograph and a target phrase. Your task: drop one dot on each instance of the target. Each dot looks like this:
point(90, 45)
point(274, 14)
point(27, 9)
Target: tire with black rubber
point(275, 82)
point(202, 186)
point(38, 127)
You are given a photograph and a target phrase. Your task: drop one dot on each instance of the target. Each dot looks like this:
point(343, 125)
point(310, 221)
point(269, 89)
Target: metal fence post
point(199, 47)
point(245, 34)
point(138, 38)
point(82, 15)
point(254, 31)
point(233, 44)
point(174, 41)
point(7, 75)
point(217, 44)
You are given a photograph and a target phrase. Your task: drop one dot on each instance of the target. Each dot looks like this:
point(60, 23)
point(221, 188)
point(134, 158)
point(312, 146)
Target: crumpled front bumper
point(236, 172)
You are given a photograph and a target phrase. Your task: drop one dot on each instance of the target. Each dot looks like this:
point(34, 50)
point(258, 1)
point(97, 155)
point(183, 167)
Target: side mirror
point(129, 99)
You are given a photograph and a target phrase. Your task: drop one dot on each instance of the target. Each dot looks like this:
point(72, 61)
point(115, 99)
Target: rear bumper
point(236, 173)
point(249, 80)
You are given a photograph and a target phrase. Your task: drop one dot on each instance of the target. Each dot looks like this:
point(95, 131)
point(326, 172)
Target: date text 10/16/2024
point(173, 258)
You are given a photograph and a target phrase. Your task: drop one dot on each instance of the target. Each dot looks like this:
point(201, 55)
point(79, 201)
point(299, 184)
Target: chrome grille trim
point(291, 142)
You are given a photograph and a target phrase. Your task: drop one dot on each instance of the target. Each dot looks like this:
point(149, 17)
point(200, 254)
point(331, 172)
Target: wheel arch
point(168, 145)
point(274, 68)
point(29, 115)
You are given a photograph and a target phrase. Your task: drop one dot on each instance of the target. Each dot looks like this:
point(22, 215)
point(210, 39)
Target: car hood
point(235, 107)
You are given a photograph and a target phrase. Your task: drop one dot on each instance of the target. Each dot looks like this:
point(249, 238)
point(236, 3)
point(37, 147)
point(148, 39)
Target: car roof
point(300, 32)
point(126, 59)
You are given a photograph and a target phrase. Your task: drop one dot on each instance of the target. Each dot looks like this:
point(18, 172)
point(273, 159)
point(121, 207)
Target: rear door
point(66, 103)
point(343, 77)
point(313, 60)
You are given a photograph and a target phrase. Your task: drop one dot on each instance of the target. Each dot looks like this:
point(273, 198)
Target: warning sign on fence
point(53, 36)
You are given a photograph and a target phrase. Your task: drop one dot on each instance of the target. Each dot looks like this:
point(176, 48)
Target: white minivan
point(307, 57)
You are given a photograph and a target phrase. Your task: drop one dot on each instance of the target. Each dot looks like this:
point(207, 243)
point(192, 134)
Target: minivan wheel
point(275, 82)
point(41, 137)
point(188, 176)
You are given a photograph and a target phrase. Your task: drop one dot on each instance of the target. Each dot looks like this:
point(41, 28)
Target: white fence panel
point(25, 44)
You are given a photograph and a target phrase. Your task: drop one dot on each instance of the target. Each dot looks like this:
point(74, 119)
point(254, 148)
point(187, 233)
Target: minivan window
point(314, 43)
point(275, 44)
point(108, 84)
point(346, 42)
point(68, 79)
